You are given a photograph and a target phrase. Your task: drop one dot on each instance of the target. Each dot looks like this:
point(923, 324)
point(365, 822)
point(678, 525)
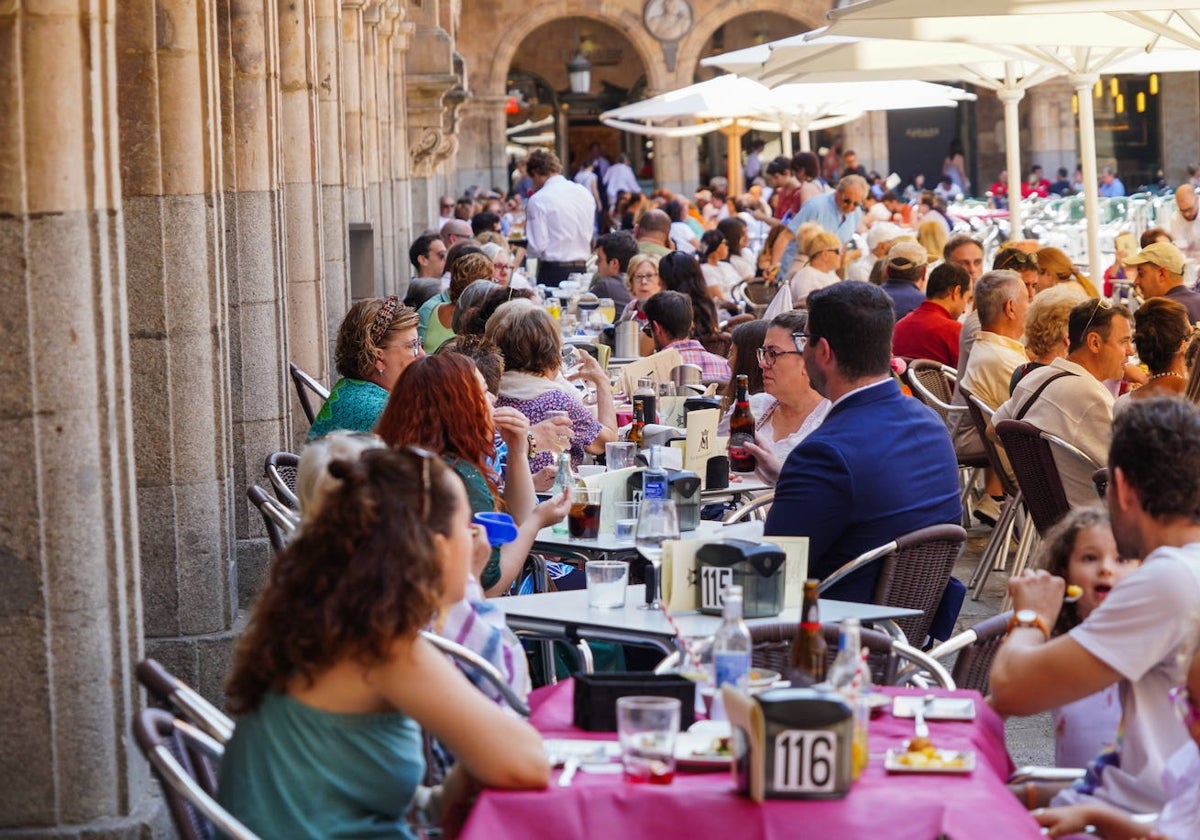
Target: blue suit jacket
point(880, 465)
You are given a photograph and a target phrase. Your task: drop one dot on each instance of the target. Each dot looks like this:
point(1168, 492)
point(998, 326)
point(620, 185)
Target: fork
point(920, 727)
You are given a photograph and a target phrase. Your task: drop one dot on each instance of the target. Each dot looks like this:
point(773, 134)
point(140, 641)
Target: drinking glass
point(647, 728)
point(657, 522)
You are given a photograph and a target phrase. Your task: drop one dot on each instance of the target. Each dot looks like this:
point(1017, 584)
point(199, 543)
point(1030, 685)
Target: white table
point(607, 543)
point(567, 616)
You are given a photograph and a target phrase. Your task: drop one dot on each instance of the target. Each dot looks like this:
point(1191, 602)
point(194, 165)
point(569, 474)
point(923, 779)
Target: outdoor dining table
point(700, 805)
point(567, 616)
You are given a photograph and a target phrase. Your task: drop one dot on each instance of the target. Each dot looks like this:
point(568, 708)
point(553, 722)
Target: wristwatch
point(532, 453)
point(1028, 618)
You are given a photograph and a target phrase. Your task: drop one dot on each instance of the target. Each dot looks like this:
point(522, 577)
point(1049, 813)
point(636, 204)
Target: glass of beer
point(583, 520)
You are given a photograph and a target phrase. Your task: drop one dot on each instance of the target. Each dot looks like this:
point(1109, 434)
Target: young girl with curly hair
point(332, 682)
point(1081, 550)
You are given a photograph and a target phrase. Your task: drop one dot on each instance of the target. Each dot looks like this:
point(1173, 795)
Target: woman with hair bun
point(376, 341)
point(332, 682)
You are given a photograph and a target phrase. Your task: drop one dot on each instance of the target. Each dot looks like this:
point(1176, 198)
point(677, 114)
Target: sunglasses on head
point(1017, 260)
point(1101, 303)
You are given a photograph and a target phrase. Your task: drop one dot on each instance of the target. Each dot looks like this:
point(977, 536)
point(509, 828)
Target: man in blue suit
point(881, 464)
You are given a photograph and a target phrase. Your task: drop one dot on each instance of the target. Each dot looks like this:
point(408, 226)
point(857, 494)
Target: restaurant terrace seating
point(166, 742)
point(306, 388)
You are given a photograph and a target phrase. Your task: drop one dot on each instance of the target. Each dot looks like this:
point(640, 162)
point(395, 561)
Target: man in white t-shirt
point(1135, 637)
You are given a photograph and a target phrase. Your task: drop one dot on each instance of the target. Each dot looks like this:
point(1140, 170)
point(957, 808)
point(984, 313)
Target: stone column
point(372, 18)
point(333, 169)
point(1180, 131)
point(429, 77)
point(254, 265)
point(481, 158)
point(399, 184)
point(70, 599)
point(387, 268)
point(299, 138)
point(171, 180)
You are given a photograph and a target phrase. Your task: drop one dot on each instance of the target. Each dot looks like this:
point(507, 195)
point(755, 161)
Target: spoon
point(920, 727)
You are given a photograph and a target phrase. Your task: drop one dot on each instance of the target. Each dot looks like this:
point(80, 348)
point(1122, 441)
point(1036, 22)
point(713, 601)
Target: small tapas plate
point(939, 708)
point(702, 751)
point(929, 761)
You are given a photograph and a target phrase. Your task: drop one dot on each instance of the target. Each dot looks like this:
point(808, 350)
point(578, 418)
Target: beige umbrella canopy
point(733, 105)
point(818, 56)
point(1081, 38)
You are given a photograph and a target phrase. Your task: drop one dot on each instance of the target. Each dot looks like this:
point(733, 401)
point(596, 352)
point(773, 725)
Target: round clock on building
point(667, 20)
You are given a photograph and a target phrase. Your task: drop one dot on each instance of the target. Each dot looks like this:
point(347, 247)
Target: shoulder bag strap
point(1029, 403)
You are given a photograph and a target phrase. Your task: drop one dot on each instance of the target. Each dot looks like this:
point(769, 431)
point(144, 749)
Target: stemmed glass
point(657, 521)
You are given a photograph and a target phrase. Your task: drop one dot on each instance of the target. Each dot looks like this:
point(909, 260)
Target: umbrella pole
point(733, 136)
point(1011, 96)
point(805, 139)
point(1083, 84)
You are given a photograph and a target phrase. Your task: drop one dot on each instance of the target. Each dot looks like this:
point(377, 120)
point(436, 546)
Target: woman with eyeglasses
point(442, 404)
point(824, 253)
point(376, 341)
point(502, 262)
point(333, 684)
point(1056, 269)
point(789, 409)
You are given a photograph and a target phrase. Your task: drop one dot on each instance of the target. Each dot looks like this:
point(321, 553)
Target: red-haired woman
point(332, 681)
point(441, 404)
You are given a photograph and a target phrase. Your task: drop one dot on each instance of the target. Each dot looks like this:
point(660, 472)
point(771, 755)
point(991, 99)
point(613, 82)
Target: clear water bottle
point(654, 477)
point(846, 665)
point(563, 481)
point(731, 644)
point(851, 677)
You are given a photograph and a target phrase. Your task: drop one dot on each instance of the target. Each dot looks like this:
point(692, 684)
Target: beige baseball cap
point(1162, 254)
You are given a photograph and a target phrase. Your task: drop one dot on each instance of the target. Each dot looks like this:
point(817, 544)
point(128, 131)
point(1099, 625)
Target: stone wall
point(178, 183)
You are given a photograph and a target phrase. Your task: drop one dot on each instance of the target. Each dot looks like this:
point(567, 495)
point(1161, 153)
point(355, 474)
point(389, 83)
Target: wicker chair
point(933, 384)
point(166, 742)
point(976, 649)
point(281, 469)
point(772, 646)
point(914, 570)
point(995, 553)
point(755, 509)
point(1031, 451)
point(306, 388)
point(280, 522)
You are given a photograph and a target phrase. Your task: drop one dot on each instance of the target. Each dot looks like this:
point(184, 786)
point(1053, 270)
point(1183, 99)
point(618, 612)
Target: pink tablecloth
point(920, 807)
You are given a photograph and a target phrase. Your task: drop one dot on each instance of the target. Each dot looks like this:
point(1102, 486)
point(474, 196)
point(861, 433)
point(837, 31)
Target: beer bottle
point(639, 422)
point(809, 648)
point(741, 430)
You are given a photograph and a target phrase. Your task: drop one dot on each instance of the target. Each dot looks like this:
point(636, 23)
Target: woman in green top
point(466, 270)
point(376, 342)
point(442, 404)
point(332, 679)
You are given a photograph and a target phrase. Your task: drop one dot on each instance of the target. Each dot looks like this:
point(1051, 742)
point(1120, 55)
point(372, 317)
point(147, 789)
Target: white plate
point(939, 708)
point(893, 764)
point(762, 677)
point(693, 751)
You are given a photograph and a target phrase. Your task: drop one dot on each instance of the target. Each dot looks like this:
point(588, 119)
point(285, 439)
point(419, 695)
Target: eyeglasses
point(648, 329)
point(1184, 705)
point(447, 206)
point(768, 356)
point(1101, 303)
point(413, 346)
point(1017, 260)
point(504, 268)
point(637, 277)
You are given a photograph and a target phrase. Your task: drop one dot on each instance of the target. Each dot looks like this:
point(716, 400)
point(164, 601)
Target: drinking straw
point(683, 642)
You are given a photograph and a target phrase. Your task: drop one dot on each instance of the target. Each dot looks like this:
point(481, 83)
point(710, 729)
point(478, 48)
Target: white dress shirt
point(1185, 235)
point(559, 221)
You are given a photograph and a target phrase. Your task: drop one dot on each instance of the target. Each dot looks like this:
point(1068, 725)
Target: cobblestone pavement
point(1030, 739)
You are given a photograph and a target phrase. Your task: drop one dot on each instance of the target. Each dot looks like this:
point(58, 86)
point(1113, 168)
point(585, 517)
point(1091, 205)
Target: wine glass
point(657, 521)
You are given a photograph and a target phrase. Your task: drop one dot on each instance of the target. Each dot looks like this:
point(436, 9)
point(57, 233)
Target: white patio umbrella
point(1083, 38)
point(733, 105)
point(818, 56)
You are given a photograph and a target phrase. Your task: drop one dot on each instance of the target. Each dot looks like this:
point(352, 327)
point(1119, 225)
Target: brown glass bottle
point(741, 430)
point(809, 649)
point(639, 422)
